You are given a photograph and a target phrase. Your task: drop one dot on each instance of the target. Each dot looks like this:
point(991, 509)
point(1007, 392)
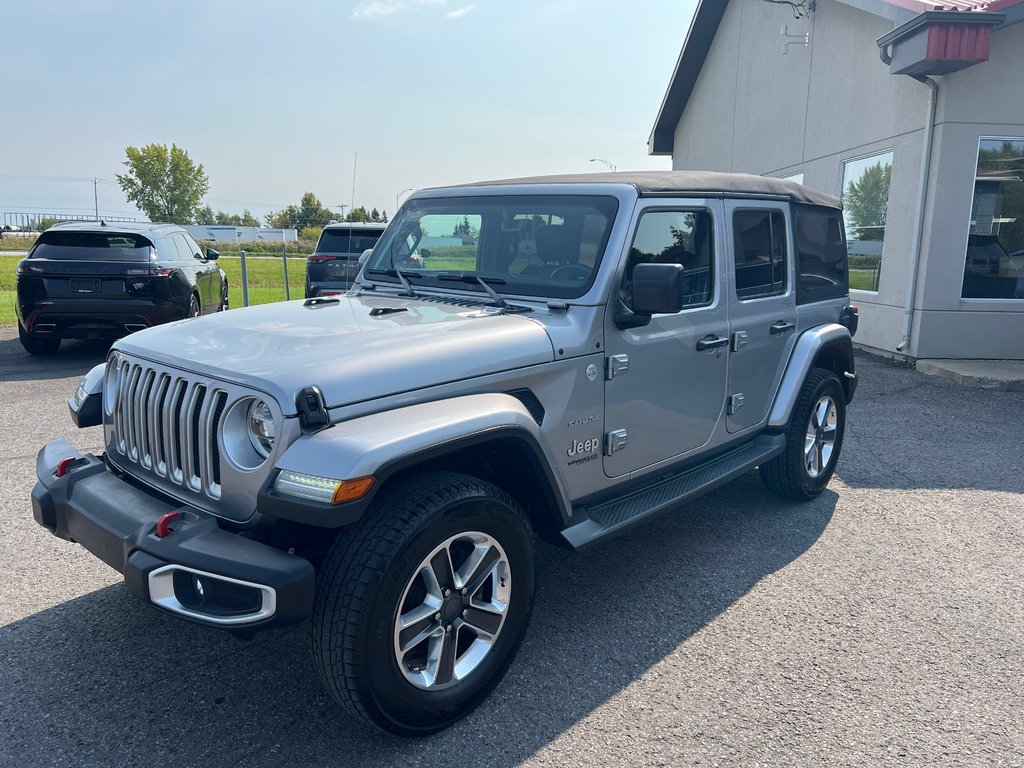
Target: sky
point(276, 99)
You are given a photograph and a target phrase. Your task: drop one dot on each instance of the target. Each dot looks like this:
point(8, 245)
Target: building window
point(994, 267)
point(865, 193)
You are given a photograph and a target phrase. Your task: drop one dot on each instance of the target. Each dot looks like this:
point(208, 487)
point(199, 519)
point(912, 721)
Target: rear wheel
point(420, 608)
point(223, 298)
point(813, 440)
point(36, 345)
point(193, 306)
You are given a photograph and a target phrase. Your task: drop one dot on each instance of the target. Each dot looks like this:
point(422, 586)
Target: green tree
point(163, 183)
point(205, 215)
point(866, 200)
point(358, 214)
point(310, 212)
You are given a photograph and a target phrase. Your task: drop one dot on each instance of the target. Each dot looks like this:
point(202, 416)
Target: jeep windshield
point(524, 245)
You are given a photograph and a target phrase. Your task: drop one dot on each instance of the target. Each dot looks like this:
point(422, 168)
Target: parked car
point(379, 463)
point(331, 268)
point(93, 280)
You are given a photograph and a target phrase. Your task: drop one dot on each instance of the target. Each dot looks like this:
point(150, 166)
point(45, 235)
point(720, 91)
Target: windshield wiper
point(469, 278)
point(396, 272)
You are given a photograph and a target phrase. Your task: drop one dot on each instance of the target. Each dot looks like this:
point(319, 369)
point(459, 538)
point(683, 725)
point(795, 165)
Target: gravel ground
point(879, 625)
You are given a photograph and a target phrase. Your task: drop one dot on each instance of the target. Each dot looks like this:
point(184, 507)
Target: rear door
point(209, 272)
point(762, 308)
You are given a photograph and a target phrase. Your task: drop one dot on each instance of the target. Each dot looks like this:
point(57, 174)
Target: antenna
point(804, 39)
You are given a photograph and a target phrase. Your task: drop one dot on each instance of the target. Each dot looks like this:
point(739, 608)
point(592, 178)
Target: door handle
point(781, 327)
point(712, 342)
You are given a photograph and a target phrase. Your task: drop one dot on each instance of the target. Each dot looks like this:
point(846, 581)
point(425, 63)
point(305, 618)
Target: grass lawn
point(266, 282)
point(862, 279)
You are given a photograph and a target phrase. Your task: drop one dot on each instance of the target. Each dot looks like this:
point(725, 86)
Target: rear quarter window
point(821, 260)
point(96, 246)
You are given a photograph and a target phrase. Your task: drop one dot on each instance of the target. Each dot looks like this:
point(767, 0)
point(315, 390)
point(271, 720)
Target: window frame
point(990, 302)
point(891, 150)
point(713, 273)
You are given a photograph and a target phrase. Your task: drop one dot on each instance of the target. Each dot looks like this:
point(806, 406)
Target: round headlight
point(261, 428)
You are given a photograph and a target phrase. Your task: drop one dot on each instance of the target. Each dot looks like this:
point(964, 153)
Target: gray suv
point(561, 357)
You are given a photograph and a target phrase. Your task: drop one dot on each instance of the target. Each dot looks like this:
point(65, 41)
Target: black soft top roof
point(704, 183)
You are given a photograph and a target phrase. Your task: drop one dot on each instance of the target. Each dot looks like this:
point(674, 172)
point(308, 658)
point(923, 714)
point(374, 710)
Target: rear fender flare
point(832, 341)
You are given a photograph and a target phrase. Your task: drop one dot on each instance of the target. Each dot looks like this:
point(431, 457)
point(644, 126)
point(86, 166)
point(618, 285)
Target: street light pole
point(96, 199)
point(599, 160)
point(399, 195)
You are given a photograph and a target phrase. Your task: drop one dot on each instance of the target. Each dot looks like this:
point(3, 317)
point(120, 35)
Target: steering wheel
point(578, 271)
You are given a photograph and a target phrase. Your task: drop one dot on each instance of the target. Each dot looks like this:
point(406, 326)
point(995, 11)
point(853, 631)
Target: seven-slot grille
point(168, 425)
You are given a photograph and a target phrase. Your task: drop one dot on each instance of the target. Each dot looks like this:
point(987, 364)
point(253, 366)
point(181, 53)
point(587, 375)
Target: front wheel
point(420, 607)
point(813, 440)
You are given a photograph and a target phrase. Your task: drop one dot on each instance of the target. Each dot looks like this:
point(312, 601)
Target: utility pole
point(355, 161)
point(96, 199)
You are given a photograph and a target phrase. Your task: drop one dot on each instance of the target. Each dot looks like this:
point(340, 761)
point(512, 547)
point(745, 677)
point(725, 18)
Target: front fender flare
point(385, 443)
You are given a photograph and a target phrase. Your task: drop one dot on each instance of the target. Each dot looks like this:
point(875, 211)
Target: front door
point(665, 382)
point(762, 308)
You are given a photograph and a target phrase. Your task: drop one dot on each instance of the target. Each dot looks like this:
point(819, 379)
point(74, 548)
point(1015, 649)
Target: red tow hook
point(163, 525)
point(64, 465)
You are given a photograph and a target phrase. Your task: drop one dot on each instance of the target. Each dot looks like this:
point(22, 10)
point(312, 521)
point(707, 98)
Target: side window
point(821, 261)
point(184, 252)
point(675, 237)
point(759, 242)
point(193, 245)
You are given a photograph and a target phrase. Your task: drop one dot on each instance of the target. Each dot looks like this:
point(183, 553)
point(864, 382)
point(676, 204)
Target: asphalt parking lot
point(881, 624)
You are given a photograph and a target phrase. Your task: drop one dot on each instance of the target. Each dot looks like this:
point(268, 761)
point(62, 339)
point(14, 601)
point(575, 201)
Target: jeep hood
point(343, 349)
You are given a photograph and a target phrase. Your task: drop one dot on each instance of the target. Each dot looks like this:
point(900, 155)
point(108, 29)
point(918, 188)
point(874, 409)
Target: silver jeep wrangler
point(564, 357)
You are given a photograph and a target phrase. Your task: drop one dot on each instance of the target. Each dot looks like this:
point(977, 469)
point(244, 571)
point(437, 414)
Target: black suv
point(93, 280)
point(332, 267)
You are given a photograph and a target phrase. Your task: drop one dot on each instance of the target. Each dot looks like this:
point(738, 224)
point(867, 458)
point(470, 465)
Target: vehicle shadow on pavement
point(74, 358)
point(105, 680)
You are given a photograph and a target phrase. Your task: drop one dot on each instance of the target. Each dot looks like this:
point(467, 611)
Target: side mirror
point(212, 255)
point(657, 289)
point(365, 255)
point(425, 253)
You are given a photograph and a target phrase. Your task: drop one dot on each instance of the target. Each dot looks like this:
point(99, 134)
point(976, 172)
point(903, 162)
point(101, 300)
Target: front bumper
point(198, 571)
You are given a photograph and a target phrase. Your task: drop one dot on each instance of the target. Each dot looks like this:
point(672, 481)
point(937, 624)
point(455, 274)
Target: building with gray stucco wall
point(735, 103)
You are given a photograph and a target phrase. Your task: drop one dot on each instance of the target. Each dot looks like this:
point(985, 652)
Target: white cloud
point(376, 9)
point(372, 10)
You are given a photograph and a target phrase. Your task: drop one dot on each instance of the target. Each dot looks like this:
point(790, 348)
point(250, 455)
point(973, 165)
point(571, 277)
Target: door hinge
point(614, 441)
point(617, 365)
point(735, 403)
point(739, 338)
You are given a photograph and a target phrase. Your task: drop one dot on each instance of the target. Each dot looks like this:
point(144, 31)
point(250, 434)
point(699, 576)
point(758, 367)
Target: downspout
point(922, 194)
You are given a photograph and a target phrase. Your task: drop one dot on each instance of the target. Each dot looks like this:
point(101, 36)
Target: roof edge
point(702, 31)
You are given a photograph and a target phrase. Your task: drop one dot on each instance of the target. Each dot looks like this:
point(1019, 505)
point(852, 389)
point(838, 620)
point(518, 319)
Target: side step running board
point(610, 518)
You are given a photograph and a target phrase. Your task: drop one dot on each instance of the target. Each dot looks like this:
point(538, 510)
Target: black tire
point(224, 298)
point(363, 581)
point(193, 306)
point(788, 474)
point(34, 345)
